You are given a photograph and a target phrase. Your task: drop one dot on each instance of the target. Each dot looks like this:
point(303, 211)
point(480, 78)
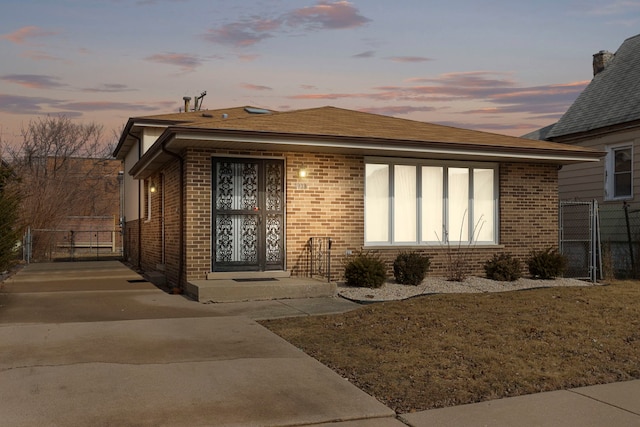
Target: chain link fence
point(620, 235)
point(579, 239)
point(82, 238)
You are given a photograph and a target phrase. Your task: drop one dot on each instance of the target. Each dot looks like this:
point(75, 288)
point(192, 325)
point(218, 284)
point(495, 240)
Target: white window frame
point(450, 232)
point(609, 171)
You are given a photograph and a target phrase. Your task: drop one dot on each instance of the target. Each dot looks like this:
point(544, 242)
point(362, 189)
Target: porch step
point(222, 275)
point(260, 288)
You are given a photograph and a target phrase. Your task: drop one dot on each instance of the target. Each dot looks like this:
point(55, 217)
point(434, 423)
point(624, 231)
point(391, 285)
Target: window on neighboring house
point(619, 172)
point(431, 203)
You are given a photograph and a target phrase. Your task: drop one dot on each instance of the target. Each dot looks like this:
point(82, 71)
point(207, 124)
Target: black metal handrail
point(320, 249)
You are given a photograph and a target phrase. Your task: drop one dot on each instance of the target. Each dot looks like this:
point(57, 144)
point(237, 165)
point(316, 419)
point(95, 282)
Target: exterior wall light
point(303, 172)
point(153, 188)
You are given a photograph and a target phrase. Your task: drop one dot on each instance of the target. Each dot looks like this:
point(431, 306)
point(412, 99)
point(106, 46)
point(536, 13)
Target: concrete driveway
point(94, 344)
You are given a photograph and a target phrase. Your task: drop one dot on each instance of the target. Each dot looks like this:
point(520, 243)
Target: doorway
point(248, 214)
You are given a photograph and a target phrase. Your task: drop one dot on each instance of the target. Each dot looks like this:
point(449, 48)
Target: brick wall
point(330, 202)
point(151, 248)
point(198, 213)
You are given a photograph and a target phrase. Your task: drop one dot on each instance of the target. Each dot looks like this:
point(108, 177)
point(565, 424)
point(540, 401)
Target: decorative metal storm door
point(248, 214)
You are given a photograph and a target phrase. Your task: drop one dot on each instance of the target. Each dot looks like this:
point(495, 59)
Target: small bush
point(547, 264)
point(503, 267)
point(410, 268)
point(365, 270)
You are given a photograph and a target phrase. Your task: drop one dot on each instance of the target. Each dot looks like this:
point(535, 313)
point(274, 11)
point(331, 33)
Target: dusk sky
point(500, 66)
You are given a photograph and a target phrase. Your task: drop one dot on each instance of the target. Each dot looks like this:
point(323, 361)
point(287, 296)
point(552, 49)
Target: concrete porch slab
point(230, 290)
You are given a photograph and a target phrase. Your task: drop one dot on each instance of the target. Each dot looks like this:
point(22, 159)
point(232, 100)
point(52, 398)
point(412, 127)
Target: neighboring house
point(606, 117)
point(240, 190)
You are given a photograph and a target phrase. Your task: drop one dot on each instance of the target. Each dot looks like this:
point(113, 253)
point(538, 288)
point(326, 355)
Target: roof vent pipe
point(187, 100)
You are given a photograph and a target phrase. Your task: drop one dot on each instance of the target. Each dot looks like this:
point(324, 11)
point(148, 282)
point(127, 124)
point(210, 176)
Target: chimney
point(187, 100)
point(601, 60)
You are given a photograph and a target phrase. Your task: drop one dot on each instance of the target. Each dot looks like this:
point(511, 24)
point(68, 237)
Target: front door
point(248, 214)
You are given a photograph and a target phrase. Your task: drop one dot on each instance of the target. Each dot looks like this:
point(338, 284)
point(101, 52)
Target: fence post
point(629, 241)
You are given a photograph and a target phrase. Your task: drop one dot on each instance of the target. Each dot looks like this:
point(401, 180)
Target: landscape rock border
point(391, 291)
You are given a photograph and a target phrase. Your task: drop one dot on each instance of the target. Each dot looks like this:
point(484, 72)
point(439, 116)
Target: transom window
point(619, 173)
point(408, 203)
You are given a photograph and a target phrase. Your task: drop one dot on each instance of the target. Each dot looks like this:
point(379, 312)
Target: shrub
point(547, 264)
point(410, 268)
point(365, 270)
point(503, 267)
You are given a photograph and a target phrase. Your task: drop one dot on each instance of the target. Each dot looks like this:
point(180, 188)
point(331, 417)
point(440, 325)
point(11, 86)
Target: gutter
point(178, 136)
point(139, 264)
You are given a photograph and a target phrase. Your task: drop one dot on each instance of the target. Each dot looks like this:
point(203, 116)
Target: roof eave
point(596, 132)
point(177, 139)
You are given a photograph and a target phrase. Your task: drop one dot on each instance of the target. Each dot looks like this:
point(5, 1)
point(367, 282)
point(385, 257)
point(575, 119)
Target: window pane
point(376, 215)
point(622, 173)
point(432, 196)
point(404, 203)
point(483, 205)
point(458, 218)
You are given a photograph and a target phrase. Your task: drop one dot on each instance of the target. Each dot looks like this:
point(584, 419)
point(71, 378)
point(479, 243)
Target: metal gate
point(579, 239)
point(46, 245)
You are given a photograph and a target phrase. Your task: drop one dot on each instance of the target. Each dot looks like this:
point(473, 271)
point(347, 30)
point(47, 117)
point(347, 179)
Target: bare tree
point(63, 171)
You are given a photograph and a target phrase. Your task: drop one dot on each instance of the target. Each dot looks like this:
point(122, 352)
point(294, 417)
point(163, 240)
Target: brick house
point(241, 190)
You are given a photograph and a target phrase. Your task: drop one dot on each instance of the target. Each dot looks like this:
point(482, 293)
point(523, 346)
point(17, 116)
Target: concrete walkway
point(94, 344)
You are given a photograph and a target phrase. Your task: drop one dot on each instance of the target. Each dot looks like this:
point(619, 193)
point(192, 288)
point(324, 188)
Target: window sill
point(442, 246)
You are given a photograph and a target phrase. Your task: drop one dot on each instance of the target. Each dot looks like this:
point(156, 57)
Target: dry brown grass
point(450, 349)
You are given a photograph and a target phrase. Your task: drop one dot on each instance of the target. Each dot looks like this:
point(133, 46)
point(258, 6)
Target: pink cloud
point(248, 58)
point(255, 87)
point(39, 55)
point(327, 15)
point(324, 15)
point(106, 105)
point(367, 54)
point(397, 110)
point(410, 59)
point(239, 34)
point(33, 81)
point(499, 93)
point(22, 35)
point(185, 61)
point(109, 88)
point(325, 96)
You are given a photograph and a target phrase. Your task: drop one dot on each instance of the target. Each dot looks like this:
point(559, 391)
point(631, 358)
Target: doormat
point(138, 281)
point(257, 279)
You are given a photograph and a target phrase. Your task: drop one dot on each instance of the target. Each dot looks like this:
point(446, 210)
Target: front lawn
point(451, 349)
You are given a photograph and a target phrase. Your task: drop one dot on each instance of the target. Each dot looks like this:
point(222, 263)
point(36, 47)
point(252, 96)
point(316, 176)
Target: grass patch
point(451, 349)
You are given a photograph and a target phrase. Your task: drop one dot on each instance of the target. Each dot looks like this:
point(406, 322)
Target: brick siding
point(330, 202)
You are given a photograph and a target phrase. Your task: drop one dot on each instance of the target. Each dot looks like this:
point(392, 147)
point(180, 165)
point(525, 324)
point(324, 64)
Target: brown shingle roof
point(337, 122)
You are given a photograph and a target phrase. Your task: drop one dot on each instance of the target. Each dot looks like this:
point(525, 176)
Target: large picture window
point(409, 203)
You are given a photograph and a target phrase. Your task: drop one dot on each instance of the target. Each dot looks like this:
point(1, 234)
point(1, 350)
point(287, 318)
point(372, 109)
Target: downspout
point(180, 213)
point(139, 267)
